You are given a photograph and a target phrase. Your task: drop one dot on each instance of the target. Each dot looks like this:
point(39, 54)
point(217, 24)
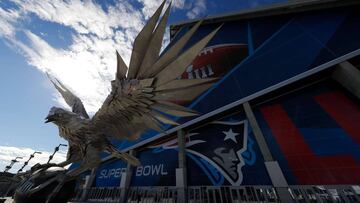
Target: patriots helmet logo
point(221, 143)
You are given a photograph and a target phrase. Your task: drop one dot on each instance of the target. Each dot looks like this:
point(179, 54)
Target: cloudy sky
point(74, 41)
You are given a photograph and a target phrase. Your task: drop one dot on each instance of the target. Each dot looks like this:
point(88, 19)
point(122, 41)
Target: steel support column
point(126, 179)
point(272, 166)
point(181, 175)
point(88, 183)
point(349, 77)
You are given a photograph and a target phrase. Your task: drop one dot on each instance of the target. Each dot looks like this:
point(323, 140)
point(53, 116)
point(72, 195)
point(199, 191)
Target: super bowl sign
point(157, 168)
point(109, 174)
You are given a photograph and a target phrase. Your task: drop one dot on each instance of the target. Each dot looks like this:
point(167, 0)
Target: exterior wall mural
point(224, 152)
point(219, 153)
point(212, 61)
point(265, 49)
point(314, 134)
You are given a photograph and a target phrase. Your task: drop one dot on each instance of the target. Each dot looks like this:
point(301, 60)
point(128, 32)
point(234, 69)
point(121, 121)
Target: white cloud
point(198, 9)
point(8, 153)
point(84, 16)
point(7, 20)
point(88, 64)
point(150, 6)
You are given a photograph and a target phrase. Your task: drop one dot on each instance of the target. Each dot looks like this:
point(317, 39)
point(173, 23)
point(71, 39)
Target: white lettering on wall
point(111, 173)
point(203, 72)
point(150, 170)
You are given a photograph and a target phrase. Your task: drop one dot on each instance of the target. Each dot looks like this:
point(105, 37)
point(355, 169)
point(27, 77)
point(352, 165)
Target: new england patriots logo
point(218, 145)
point(221, 143)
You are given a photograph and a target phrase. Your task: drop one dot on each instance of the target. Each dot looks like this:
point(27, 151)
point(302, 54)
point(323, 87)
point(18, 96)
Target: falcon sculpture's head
point(59, 116)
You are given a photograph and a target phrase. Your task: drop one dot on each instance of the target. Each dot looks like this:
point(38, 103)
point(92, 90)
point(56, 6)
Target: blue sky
point(74, 41)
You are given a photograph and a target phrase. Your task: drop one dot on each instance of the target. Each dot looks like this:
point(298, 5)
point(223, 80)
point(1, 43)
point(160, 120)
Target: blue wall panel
point(280, 47)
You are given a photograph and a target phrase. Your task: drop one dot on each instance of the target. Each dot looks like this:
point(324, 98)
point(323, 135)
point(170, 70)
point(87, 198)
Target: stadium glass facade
point(285, 111)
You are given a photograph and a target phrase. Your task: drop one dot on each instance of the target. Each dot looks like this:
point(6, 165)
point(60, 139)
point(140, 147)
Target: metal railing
point(328, 193)
point(133, 194)
point(109, 194)
point(232, 194)
point(152, 194)
point(225, 194)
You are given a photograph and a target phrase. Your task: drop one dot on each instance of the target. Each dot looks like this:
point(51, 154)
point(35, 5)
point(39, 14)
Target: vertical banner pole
point(272, 166)
point(348, 76)
point(126, 179)
point(181, 175)
point(88, 183)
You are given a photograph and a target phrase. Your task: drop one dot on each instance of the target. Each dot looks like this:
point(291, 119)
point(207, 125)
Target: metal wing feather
point(142, 42)
point(73, 101)
point(141, 101)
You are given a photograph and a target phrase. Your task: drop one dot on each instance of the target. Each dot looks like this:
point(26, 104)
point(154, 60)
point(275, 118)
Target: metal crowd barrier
point(78, 195)
point(99, 194)
point(328, 193)
point(134, 195)
point(152, 195)
point(110, 194)
point(232, 194)
point(225, 194)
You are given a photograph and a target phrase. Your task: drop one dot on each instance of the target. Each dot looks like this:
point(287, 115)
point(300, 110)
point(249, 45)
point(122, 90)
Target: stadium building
point(281, 123)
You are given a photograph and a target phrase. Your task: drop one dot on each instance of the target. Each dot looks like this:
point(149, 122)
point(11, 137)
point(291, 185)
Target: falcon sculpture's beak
point(49, 119)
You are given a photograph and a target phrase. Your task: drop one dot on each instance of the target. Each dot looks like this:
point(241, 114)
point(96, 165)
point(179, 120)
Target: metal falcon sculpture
point(139, 100)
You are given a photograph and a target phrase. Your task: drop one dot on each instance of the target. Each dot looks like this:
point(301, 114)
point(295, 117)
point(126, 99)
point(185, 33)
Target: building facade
point(284, 113)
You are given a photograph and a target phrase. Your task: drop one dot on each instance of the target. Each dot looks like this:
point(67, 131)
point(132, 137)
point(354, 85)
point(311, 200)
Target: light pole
point(7, 168)
point(55, 150)
point(27, 162)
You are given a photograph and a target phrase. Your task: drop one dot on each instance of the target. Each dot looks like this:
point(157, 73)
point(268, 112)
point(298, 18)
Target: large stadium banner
point(222, 152)
point(314, 134)
point(314, 140)
point(255, 54)
point(212, 62)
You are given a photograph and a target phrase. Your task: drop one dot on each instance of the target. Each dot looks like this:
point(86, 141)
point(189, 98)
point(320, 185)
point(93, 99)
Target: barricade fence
point(232, 194)
point(328, 193)
point(223, 194)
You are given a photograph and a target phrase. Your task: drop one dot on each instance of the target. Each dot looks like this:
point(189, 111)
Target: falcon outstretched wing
point(140, 100)
point(71, 99)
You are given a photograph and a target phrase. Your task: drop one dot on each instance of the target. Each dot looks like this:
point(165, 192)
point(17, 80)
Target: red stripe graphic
point(305, 165)
point(344, 111)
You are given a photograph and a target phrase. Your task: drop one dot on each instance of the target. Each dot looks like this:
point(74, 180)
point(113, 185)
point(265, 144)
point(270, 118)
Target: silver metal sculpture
point(139, 99)
point(55, 150)
point(7, 168)
point(27, 162)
